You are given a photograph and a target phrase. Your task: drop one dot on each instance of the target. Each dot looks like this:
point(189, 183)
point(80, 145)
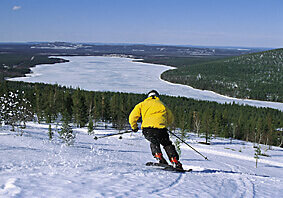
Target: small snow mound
point(10, 189)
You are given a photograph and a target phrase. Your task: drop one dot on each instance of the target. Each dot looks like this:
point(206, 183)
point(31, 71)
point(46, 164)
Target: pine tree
point(83, 115)
point(24, 110)
point(257, 154)
point(114, 110)
point(66, 133)
point(96, 109)
point(80, 108)
point(178, 147)
point(206, 124)
point(67, 110)
point(38, 103)
point(15, 110)
point(90, 127)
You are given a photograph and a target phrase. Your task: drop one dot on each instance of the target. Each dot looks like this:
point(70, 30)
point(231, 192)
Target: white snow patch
point(9, 189)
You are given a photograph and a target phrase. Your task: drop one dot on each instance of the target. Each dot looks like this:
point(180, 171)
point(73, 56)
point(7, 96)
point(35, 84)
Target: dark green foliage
point(66, 133)
point(80, 108)
point(90, 127)
point(256, 76)
point(53, 102)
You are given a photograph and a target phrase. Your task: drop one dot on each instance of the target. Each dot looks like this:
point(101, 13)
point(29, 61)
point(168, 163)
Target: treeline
point(256, 76)
point(50, 103)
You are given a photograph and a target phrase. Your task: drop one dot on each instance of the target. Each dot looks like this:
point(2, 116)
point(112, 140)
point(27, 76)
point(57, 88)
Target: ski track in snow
point(171, 185)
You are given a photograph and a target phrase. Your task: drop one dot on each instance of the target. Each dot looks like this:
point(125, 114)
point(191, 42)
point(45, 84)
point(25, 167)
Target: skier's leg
point(157, 154)
point(151, 135)
point(155, 148)
point(170, 150)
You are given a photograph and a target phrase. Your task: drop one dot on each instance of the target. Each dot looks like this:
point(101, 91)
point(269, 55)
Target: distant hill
point(137, 50)
point(16, 59)
point(255, 76)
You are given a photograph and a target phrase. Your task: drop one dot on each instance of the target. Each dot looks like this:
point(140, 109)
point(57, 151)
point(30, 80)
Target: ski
point(167, 167)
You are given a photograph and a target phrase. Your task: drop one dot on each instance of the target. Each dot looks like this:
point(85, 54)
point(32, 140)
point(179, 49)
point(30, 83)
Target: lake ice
point(98, 73)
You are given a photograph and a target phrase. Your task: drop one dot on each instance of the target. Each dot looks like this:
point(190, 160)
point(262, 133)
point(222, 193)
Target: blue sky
point(250, 23)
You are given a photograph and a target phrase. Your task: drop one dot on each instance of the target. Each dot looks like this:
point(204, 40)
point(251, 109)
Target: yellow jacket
point(153, 112)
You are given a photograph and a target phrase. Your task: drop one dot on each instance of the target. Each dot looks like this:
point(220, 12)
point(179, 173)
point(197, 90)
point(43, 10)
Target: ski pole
point(187, 144)
point(112, 134)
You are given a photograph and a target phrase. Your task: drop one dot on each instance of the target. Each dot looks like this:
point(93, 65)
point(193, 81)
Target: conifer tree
point(96, 109)
point(257, 154)
point(259, 131)
point(206, 124)
point(15, 109)
point(114, 110)
point(66, 133)
point(38, 103)
point(270, 132)
point(80, 108)
point(90, 127)
point(122, 115)
point(83, 115)
point(67, 111)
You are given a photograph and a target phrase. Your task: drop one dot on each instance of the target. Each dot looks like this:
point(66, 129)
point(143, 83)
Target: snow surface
point(123, 75)
point(33, 166)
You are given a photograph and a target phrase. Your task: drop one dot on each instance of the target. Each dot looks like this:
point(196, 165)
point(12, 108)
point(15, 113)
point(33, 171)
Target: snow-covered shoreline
point(97, 73)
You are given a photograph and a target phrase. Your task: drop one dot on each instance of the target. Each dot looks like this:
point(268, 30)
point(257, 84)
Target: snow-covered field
point(33, 166)
point(123, 75)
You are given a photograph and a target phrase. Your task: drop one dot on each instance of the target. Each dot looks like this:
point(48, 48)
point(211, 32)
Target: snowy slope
point(33, 166)
point(122, 75)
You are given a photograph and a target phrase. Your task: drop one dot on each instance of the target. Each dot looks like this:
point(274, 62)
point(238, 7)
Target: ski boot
point(176, 163)
point(160, 158)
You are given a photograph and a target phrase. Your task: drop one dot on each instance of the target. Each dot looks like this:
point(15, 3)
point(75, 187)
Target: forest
point(17, 65)
point(254, 76)
point(21, 102)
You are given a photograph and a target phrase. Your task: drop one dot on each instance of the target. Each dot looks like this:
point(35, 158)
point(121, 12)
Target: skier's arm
point(134, 116)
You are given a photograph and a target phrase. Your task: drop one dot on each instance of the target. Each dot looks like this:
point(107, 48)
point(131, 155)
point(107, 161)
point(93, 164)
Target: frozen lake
point(97, 73)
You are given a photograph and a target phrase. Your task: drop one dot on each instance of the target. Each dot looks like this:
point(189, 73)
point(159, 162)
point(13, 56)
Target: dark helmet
point(153, 93)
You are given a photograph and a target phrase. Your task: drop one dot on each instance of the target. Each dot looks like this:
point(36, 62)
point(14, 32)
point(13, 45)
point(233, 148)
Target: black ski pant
point(158, 137)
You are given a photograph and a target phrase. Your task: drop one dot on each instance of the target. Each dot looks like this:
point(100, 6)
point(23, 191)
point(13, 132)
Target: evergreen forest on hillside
point(21, 102)
point(255, 76)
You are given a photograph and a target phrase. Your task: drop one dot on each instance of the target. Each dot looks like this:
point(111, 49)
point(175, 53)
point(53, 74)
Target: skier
point(156, 117)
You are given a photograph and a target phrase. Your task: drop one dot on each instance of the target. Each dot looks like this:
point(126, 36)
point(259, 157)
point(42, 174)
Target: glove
point(135, 130)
